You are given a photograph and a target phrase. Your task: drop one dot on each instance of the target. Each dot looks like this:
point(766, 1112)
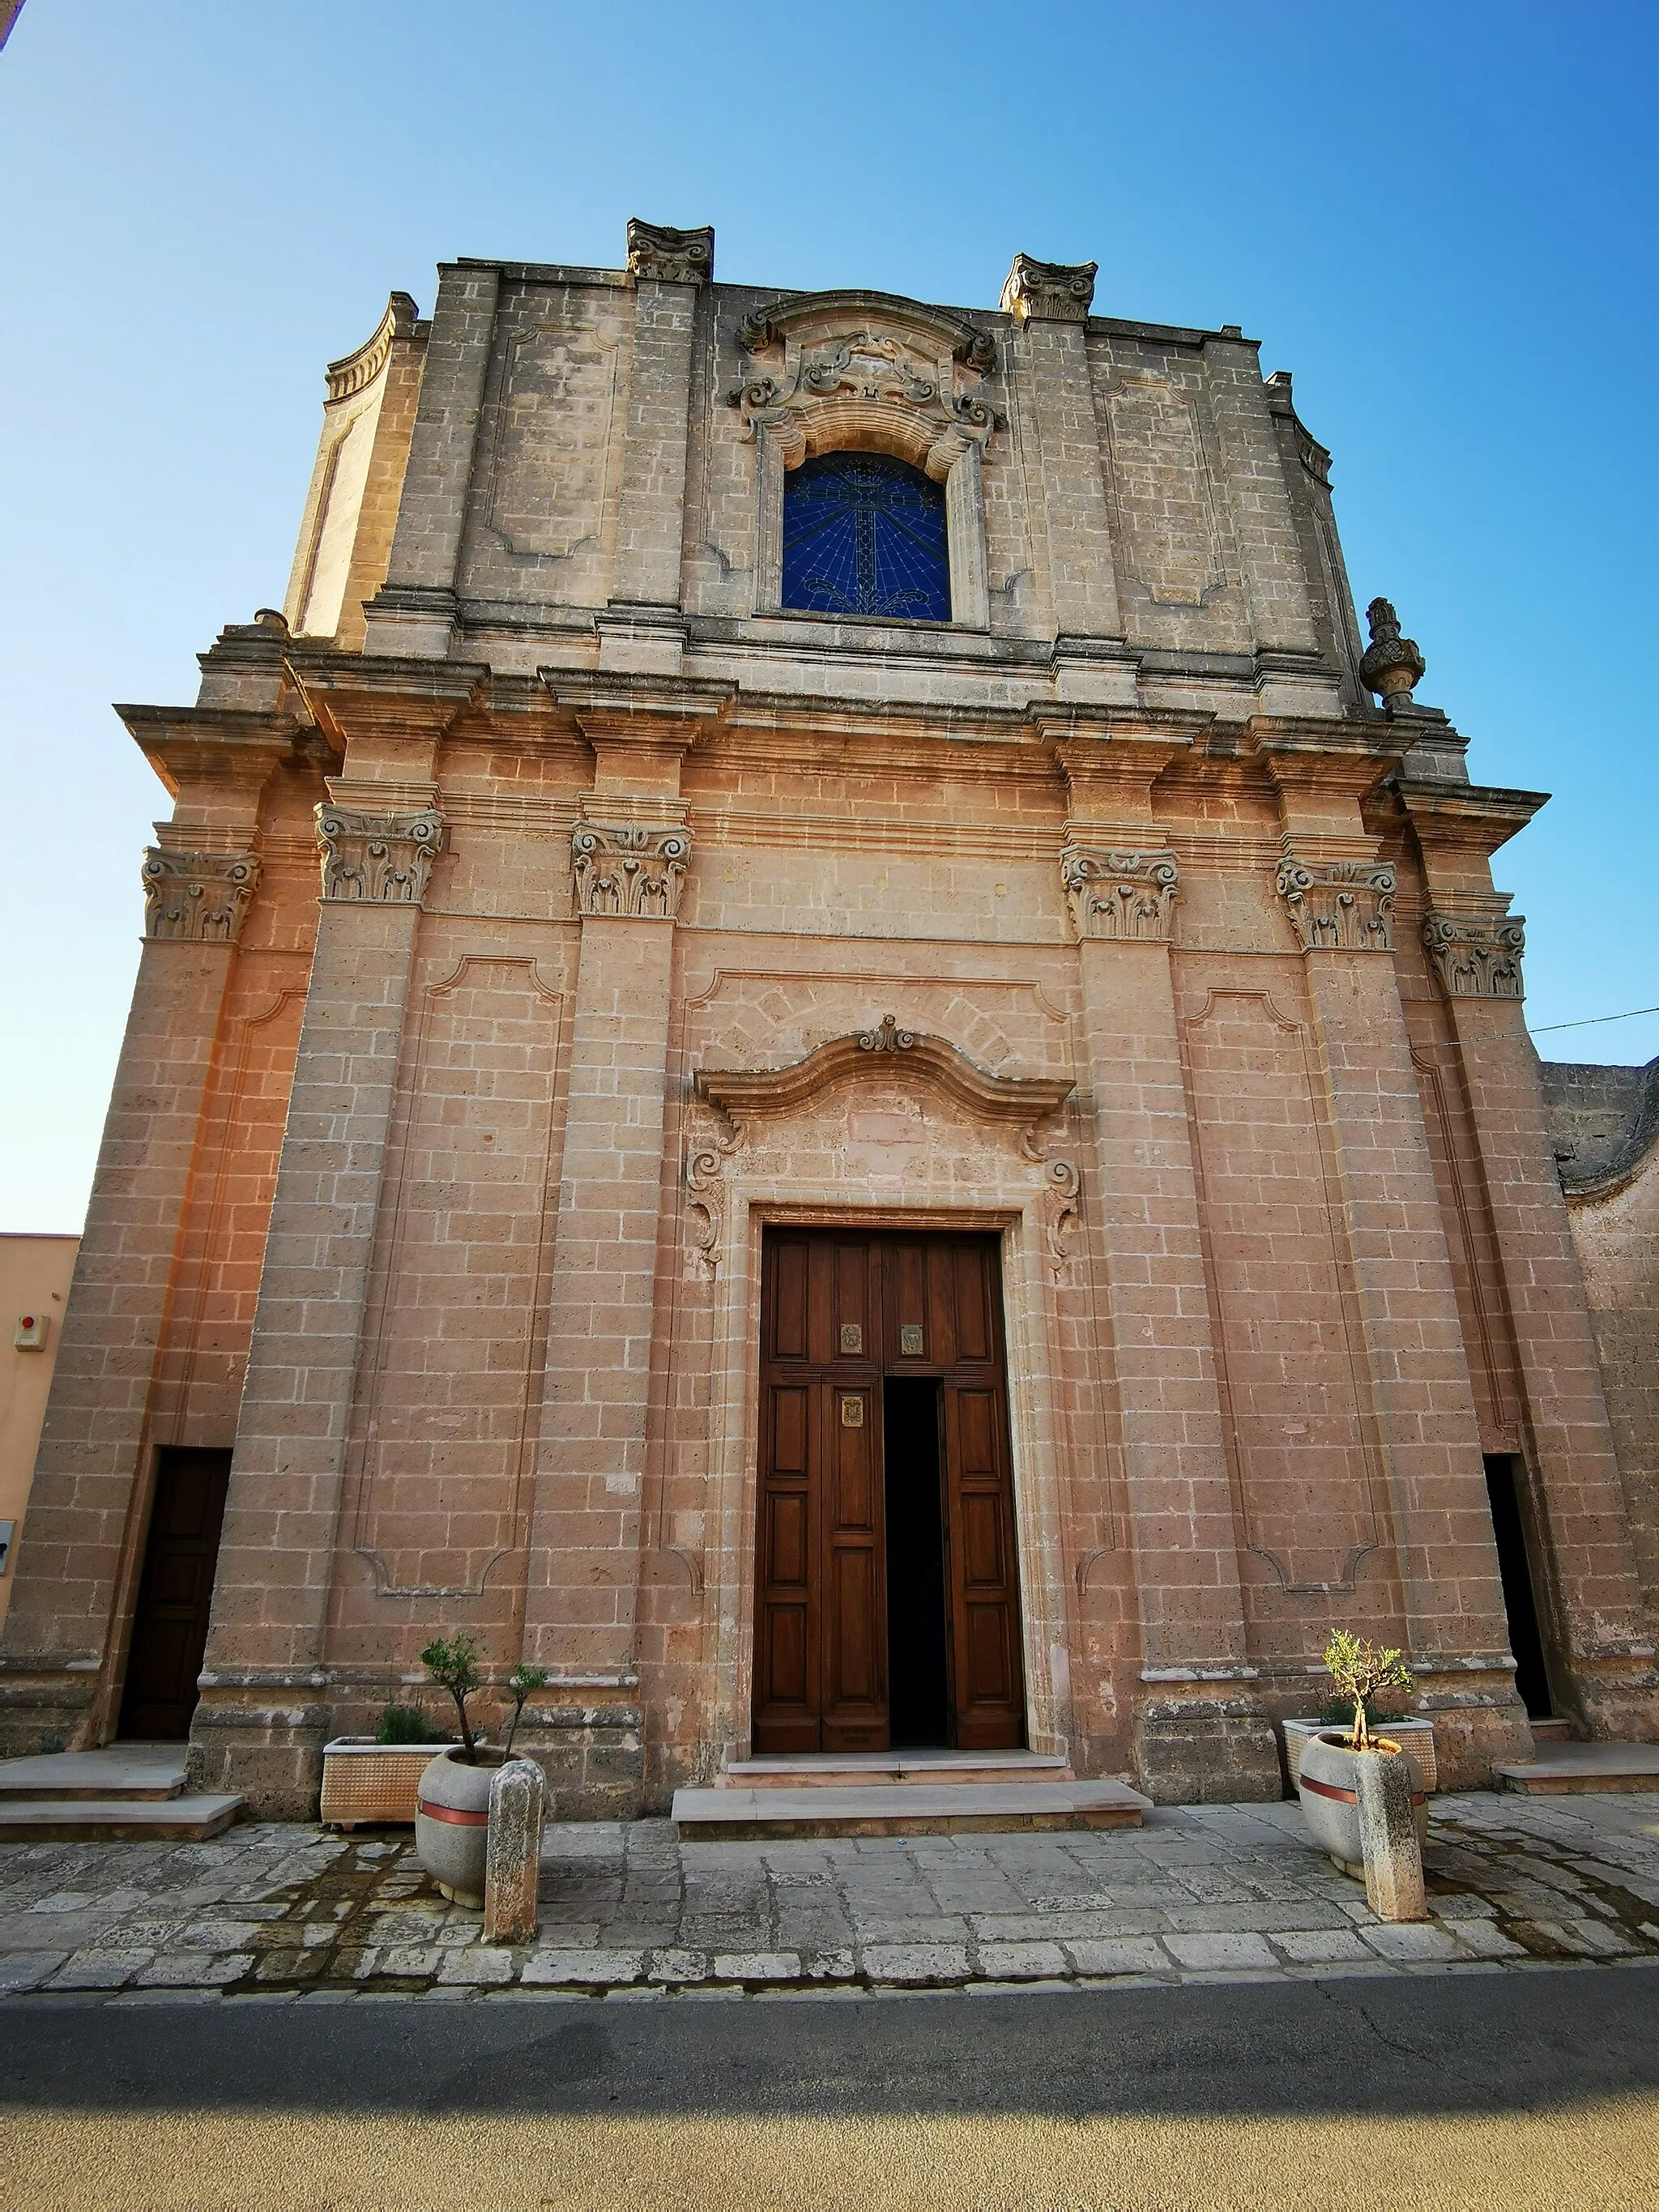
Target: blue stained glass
point(864, 534)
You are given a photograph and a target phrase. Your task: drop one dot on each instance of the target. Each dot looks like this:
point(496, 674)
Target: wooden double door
point(887, 1587)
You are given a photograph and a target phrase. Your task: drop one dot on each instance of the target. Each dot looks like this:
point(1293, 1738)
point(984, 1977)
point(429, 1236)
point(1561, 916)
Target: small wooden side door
point(988, 1676)
point(169, 1629)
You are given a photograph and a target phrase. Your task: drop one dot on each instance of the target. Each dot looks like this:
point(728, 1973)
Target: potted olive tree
point(451, 1806)
point(1328, 1779)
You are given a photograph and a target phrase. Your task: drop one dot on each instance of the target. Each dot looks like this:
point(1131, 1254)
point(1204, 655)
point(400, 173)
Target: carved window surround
point(378, 859)
point(850, 372)
point(1477, 955)
point(196, 898)
point(629, 871)
point(1346, 906)
point(1117, 895)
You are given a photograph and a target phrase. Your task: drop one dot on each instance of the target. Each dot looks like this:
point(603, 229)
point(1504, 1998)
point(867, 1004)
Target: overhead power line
point(1591, 1020)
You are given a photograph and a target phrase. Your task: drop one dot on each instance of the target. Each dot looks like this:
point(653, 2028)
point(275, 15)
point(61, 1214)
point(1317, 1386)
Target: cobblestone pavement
point(1197, 1894)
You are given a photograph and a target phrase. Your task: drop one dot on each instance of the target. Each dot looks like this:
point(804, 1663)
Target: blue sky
point(1440, 217)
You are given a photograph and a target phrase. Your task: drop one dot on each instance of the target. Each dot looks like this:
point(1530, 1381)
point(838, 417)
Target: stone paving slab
point(270, 1912)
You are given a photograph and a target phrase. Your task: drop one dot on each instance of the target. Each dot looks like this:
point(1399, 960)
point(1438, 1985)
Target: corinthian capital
point(630, 870)
point(1477, 955)
point(1347, 907)
point(383, 859)
point(672, 257)
point(1048, 291)
point(1118, 895)
point(196, 898)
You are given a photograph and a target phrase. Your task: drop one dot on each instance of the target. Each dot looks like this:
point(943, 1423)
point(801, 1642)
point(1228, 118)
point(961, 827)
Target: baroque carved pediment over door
point(858, 372)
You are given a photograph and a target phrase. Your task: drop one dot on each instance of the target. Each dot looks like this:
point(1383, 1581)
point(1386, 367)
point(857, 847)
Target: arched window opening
point(865, 534)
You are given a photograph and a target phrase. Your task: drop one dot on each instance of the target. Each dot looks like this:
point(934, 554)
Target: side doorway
point(175, 1591)
point(887, 1597)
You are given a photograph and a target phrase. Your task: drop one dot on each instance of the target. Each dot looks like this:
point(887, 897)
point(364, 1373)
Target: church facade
point(807, 1053)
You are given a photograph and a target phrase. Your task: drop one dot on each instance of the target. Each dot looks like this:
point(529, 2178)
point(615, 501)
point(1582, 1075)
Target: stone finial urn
point(1392, 666)
point(1327, 1783)
point(452, 1823)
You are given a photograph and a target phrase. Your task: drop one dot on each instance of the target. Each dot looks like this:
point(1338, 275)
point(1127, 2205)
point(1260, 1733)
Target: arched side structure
point(852, 372)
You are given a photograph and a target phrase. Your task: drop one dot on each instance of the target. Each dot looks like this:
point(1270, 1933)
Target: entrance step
point(1584, 1770)
point(1551, 1731)
point(918, 1808)
point(132, 1772)
point(116, 1820)
point(842, 1770)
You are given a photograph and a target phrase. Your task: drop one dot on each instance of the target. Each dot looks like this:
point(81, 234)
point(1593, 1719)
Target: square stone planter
point(1414, 1737)
point(367, 1781)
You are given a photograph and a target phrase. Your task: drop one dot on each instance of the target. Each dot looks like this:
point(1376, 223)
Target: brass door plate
point(851, 1336)
point(910, 1346)
point(852, 1413)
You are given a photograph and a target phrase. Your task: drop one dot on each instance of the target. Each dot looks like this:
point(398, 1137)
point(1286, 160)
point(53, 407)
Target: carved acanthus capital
point(1120, 895)
point(1048, 291)
point(670, 257)
point(378, 859)
point(629, 870)
point(1346, 906)
point(1477, 955)
point(196, 898)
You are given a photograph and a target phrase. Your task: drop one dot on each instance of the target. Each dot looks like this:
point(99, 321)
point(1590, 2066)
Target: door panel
point(839, 1312)
point(175, 1592)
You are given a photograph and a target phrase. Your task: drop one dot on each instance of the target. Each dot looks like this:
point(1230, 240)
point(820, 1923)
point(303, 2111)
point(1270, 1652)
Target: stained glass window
point(864, 534)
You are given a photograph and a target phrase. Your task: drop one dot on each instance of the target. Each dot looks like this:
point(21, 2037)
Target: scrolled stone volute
point(670, 257)
point(1049, 291)
point(1392, 666)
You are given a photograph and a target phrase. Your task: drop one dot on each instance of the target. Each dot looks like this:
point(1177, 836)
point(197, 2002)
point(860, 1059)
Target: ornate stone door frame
point(1021, 1206)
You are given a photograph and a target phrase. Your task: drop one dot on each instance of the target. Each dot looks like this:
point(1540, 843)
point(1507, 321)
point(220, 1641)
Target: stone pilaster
point(668, 267)
point(1202, 1733)
point(78, 1566)
point(264, 1713)
point(415, 610)
point(1050, 307)
point(1338, 900)
point(629, 857)
point(1602, 1662)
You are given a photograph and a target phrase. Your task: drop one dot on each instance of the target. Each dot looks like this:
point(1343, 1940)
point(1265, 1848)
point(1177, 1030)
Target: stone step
point(114, 1821)
point(841, 1770)
point(733, 1815)
point(1551, 1731)
point(1584, 1770)
point(132, 1772)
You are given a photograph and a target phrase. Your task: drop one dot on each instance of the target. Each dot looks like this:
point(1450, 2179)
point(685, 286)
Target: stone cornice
point(217, 745)
point(1478, 817)
point(374, 694)
point(885, 1050)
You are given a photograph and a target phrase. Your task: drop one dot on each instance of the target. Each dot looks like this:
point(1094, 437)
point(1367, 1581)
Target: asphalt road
point(1538, 2088)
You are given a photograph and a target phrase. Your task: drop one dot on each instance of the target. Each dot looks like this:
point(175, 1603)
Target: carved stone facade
point(198, 898)
point(1048, 949)
point(381, 858)
point(1477, 956)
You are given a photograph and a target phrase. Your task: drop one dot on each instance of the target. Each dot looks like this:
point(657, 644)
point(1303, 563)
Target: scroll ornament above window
point(864, 389)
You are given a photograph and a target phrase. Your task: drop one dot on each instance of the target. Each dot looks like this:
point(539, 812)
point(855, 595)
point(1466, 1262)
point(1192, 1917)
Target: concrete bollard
point(1384, 1783)
point(513, 1852)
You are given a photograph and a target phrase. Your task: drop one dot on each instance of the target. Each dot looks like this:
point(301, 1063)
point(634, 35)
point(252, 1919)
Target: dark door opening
point(169, 1630)
point(1514, 1570)
point(918, 1667)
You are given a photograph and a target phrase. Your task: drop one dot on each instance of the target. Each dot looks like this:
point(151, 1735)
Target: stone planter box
point(367, 1781)
point(1326, 1785)
point(1414, 1737)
